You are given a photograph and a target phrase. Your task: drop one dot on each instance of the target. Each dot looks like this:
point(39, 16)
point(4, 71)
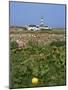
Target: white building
point(40, 27)
point(32, 27)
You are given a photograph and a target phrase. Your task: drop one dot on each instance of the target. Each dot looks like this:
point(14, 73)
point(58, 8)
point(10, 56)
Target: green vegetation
point(45, 62)
point(24, 30)
point(13, 45)
point(58, 43)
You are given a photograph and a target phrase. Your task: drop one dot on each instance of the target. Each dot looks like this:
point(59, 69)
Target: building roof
point(32, 25)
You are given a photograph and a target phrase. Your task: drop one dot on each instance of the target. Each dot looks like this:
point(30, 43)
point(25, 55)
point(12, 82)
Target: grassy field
point(42, 57)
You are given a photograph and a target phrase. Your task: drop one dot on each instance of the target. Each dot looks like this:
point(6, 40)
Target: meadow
point(42, 56)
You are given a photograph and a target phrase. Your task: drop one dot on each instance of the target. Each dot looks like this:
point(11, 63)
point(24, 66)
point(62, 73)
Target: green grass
point(46, 62)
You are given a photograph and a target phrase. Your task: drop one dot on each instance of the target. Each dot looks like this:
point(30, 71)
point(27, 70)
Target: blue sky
point(30, 13)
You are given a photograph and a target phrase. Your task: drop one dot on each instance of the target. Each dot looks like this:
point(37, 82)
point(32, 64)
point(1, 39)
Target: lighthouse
point(42, 25)
point(42, 21)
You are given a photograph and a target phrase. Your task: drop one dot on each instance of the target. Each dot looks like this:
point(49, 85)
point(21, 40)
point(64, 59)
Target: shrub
point(38, 62)
point(13, 45)
point(57, 43)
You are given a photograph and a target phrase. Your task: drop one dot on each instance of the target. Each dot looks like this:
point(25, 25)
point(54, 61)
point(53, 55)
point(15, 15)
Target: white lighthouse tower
point(42, 25)
point(42, 21)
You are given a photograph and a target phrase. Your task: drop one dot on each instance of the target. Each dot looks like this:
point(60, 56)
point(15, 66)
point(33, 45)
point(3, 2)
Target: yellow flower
point(35, 80)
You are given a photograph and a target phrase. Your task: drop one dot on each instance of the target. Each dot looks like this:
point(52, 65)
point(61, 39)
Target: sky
point(24, 13)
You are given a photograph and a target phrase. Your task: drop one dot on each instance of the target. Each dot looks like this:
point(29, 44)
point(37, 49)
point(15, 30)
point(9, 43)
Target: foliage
point(47, 63)
point(13, 45)
point(57, 43)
